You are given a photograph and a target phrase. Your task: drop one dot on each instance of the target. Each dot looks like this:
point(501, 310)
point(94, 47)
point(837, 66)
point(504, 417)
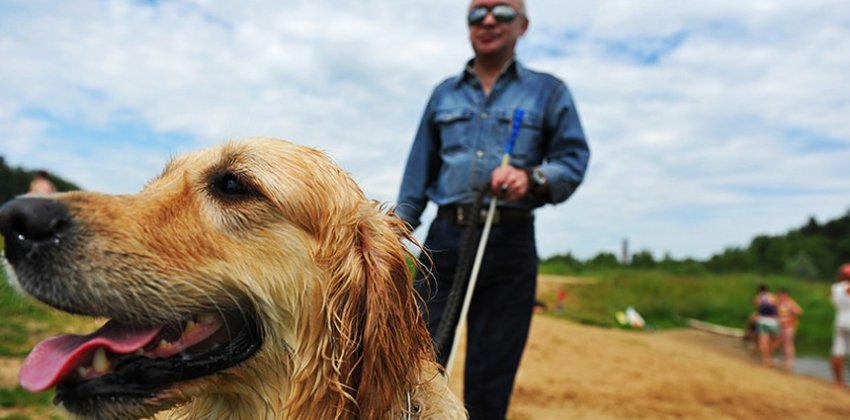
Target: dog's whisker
point(250, 280)
point(162, 289)
point(216, 307)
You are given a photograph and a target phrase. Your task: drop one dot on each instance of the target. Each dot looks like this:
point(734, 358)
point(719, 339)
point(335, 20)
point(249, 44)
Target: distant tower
point(625, 259)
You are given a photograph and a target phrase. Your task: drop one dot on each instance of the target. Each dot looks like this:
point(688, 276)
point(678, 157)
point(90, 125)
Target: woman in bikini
point(789, 317)
point(767, 324)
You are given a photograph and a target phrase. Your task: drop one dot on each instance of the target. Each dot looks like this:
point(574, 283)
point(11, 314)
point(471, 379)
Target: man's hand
point(509, 183)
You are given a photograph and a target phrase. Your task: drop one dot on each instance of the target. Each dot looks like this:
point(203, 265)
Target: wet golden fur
point(322, 267)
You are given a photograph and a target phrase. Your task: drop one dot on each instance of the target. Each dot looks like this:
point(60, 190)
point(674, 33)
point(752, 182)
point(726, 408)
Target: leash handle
point(519, 113)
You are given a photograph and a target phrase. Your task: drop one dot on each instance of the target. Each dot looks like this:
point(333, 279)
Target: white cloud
point(708, 122)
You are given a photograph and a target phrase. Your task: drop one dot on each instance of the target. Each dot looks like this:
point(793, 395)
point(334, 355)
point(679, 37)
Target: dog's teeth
point(83, 371)
point(206, 318)
point(163, 345)
point(190, 325)
point(100, 363)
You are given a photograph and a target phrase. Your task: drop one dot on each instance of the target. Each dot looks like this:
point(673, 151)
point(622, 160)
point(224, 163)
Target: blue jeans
point(499, 314)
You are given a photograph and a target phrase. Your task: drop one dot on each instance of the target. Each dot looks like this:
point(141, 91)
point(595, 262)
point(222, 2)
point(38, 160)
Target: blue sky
point(709, 122)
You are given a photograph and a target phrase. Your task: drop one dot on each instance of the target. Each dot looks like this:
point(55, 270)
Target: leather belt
point(461, 214)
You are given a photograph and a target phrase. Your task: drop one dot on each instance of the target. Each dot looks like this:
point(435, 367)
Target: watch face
point(537, 177)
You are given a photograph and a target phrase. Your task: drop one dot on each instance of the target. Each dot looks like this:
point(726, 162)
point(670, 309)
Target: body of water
point(819, 367)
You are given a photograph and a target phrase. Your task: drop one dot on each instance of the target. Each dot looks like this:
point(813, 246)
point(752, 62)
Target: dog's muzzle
point(33, 226)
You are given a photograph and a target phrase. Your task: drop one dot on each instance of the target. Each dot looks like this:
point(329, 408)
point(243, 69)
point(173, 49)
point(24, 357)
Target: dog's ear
point(381, 338)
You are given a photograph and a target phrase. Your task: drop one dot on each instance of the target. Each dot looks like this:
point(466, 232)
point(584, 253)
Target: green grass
point(22, 323)
point(25, 405)
point(18, 397)
point(665, 301)
point(20, 319)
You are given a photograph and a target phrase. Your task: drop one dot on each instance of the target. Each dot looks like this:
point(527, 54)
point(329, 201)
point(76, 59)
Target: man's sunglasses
point(501, 12)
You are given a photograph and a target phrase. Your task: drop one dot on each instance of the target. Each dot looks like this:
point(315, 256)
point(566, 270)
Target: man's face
point(490, 37)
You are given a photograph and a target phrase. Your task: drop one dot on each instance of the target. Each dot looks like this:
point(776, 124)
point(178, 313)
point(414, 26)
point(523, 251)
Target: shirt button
point(484, 115)
point(479, 153)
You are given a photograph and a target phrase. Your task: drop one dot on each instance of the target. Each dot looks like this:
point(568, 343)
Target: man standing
point(457, 152)
point(840, 294)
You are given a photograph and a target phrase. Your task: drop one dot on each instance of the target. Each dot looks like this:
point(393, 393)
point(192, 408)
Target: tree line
point(811, 252)
point(16, 181)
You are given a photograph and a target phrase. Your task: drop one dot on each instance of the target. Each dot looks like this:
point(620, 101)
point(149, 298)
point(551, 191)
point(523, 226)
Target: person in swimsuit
point(767, 324)
point(789, 317)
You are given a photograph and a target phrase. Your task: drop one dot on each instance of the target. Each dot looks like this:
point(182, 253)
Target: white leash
point(482, 244)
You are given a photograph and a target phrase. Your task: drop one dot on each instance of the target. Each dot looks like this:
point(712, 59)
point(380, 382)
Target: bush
point(666, 300)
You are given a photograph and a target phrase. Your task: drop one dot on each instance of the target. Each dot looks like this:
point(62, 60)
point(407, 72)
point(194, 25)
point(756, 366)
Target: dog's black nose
point(31, 224)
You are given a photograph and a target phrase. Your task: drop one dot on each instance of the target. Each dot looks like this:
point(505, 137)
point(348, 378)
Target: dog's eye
point(230, 185)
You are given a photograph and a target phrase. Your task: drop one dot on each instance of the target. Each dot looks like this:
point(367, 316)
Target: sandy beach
point(583, 372)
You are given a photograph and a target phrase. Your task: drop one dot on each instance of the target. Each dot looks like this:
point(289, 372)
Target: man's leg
point(499, 321)
point(837, 368)
point(765, 340)
point(434, 280)
point(840, 347)
point(788, 350)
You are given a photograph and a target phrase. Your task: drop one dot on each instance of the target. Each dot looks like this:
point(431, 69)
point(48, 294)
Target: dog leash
point(451, 313)
point(482, 243)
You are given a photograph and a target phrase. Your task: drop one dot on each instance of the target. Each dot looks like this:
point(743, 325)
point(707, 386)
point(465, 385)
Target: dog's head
point(255, 270)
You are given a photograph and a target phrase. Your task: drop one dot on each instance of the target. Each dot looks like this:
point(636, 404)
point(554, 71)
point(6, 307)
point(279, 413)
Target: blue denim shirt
point(463, 133)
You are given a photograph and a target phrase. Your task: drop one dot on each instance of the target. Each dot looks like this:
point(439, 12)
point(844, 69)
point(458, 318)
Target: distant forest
point(16, 181)
point(811, 252)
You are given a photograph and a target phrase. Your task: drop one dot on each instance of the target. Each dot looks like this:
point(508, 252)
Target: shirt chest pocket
point(453, 128)
point(530, 144)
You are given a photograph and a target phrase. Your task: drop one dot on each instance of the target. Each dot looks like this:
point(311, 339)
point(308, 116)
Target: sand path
point(576, 371)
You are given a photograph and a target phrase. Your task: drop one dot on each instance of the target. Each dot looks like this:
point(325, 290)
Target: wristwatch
point(536, 179)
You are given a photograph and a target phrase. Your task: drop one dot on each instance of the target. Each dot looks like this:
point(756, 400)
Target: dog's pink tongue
point(54, 357)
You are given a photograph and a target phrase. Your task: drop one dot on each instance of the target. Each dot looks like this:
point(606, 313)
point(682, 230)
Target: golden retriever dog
point(249, 281)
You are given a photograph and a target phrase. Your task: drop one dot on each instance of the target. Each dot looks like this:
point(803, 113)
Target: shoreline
point(804, 365)
point(571, 370)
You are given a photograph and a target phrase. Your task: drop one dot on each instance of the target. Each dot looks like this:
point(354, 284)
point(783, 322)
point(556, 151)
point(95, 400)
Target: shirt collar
point(511, 67)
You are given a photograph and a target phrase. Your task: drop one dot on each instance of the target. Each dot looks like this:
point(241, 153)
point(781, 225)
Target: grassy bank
point(19, 321)
point(23, 323)
point(666, 300)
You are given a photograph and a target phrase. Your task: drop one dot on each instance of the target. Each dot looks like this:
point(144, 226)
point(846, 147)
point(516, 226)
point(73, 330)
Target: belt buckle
point(495, 216)
point(460, 216)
